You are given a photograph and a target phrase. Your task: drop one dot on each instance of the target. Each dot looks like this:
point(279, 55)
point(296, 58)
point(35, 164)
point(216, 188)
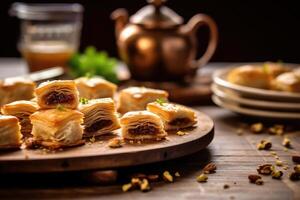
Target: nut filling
point(144, 129)
point(58, 97)
point(179, 121)
point(98, 125)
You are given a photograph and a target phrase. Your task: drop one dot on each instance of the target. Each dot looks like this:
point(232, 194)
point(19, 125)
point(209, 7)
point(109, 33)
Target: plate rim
point(254, 112)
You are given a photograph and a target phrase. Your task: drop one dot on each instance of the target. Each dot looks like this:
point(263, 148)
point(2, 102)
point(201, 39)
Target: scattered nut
point(278, 162)
point(240, 131)
point(177, 174)
point(297, 169)
point(226, 186)
point(265, 169)
point(264, 145)
point(257, 127)
point(277, 174)
point(153, 177)
point(202, 178)
point(210, 168)
point(144, 185)
point(276, 130)
point(296, 159)
point(115, 143)
point(126, 187)
point(92, 139)
point(259, 182)
point(273, 153)
point(286, 142)
point(253, 178)
point(167, 176)
point(181, 133)
point(135, 182)
point(294, 176)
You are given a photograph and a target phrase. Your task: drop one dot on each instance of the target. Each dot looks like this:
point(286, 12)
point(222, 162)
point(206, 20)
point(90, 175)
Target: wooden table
point(234, 154)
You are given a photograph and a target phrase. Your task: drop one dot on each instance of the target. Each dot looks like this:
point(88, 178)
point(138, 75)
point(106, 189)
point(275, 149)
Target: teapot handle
point(191, 28)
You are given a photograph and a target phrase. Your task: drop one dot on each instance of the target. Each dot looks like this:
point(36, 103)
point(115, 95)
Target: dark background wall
point(256, 30)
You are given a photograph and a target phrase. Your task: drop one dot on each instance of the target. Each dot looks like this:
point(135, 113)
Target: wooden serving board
point(98, 155)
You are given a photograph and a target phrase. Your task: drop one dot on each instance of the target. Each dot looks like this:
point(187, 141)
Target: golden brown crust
point(137, 98)
point(95, 87)
point(10, 135)
point(59, 92)
point(21, 106)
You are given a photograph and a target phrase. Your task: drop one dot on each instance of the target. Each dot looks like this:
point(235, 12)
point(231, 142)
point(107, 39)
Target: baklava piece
point(250, 76)
point(14, 89)
point(10, 135)
point(288, 82)
point(173, 116)
point(53, 93)
point(142, 125)
point(137, 98)
point(22, 110)
point(56, 128)
point(95, 87)
point(100, 116)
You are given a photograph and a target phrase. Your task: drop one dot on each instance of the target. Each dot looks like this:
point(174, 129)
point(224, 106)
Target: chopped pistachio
point(259, 182)
point(177, 174)
point(277, 174)
point(273, 153)
point(257, 127)
point(202, 178)
point(115, 143)
point(60, 107)
point(297, 168)
point(126, 187)
point(92, 139)
point(278, 162)
point(286, 142)
point(276, 130)
point(167, 176)
point(264, 145)
point(181, 133)
point(83, 100)
point(135, 182)
point(144, 185)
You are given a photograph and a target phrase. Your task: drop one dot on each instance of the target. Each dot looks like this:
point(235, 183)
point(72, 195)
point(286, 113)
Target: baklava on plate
point(142, 125)
point(137, 98)
point(14, 89)
point(22, 110)
point(100, 116)
point(173, 116)
point(61, 92)
point(288, 82)
point(10, 135)
point(95, 87)
point(55, 128)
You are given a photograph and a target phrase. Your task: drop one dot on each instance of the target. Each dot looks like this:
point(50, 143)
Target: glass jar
point(50, 33)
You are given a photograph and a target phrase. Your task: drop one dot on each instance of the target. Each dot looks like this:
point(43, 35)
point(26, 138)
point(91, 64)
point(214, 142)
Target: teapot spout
point(121, 18)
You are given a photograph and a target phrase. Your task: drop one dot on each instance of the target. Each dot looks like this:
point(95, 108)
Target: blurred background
point(249, 30)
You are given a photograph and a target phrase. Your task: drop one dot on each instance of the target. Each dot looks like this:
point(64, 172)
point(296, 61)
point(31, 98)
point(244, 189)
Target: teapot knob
point(156, 3)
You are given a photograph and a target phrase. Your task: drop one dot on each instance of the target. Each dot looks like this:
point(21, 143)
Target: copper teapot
point(157, 46)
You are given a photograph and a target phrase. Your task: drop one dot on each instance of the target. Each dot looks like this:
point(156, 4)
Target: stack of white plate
point(253, 101)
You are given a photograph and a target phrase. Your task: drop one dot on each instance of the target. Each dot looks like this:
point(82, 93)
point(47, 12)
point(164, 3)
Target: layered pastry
point(249, 75)
point(13, 89)
point(10, 135)
point(22, 110)
point(142, 125)
point(95, 87)
point(275, 69)
point(61, 92)
point(289, 82)
point(173, 116)
point(137, 98)
point(100, 116)
point(56, 128)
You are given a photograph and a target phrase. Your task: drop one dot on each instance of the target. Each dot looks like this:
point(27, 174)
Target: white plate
point(220, 78)
point(254, 112)
point(270, 105)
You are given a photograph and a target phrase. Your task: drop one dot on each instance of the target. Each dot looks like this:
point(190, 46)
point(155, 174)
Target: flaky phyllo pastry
point(10, 135)
point(173, 116)
point(61, 92)
point(13, 89)
point(55, 128)
point(95, 87)
point(137, 98)
point(22, 110)
point(142, 125)
point(100, 116)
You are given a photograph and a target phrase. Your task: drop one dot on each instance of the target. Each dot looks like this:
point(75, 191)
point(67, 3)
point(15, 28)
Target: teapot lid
point(156, 15)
